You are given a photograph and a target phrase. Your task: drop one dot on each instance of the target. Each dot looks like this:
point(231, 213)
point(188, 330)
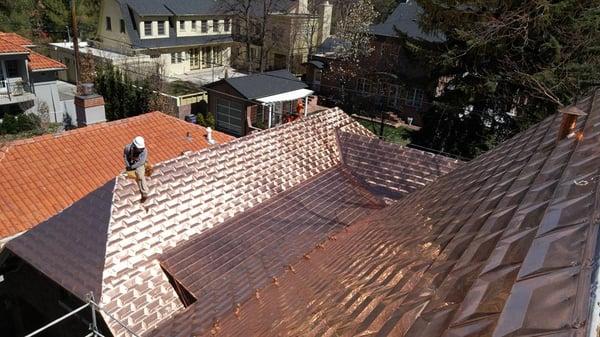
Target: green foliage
point(206, 119)
point(124, 98)
point(21, 123)
point(48, 18)
point(504, 58)
point(200, 119)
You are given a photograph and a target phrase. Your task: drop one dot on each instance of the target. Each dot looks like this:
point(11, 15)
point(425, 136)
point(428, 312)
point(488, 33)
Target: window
point(108, 24)
point(177, 57)
point(215, 26)
point(204, 26)
point(182, 26)
point(162, 28)
point(122, 23)
point(12, 68)
point(415, 97)
point(227, 25)
point(362, 85)
point(194, 25)
point(148, 28)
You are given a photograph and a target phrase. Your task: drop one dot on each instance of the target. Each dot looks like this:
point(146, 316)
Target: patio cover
point(287, 96)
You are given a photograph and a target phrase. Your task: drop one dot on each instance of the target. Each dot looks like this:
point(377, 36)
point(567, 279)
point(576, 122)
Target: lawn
point(394, 135)
point(180, 88)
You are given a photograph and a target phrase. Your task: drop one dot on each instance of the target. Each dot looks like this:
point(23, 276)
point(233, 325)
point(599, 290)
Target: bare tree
point(242, 13)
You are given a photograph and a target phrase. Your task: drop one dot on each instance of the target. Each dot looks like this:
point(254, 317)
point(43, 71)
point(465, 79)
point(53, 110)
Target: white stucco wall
point(113, 38)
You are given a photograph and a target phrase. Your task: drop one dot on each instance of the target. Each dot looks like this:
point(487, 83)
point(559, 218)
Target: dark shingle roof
point(264, 84)
point(405, 19)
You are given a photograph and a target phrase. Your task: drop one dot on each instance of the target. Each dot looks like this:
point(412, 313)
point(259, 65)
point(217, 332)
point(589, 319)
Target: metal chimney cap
point(573, 110)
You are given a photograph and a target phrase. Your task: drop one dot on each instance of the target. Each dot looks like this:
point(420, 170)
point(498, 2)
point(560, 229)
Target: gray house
point(27, 79)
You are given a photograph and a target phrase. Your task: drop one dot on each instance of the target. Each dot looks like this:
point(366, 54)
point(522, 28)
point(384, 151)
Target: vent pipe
point(209, 136)
point(569, 122)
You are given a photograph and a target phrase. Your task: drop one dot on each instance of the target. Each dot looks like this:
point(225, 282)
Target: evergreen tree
point(508, 64)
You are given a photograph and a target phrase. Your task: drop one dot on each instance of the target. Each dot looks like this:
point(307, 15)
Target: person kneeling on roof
point(136, 155)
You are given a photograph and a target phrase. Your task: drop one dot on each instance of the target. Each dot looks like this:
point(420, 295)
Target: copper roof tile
point(502, 246)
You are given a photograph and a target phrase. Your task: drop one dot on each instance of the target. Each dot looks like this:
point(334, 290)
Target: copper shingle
point(502, 246)
point(279, 191)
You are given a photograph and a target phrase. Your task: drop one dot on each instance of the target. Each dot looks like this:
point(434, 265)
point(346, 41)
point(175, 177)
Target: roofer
point(136, 155)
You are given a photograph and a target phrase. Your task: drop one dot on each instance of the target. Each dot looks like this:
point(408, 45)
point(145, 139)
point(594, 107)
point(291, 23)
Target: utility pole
point(75, 39)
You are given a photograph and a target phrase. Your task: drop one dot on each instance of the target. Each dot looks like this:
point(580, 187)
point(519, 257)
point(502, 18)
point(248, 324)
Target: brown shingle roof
point(43, 175)
point(503, 246)
point(282, 190)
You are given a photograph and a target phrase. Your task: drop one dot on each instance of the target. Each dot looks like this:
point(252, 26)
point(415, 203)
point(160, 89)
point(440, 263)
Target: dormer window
point(215, 26)
point(227, 25)
point(204, 26)
point(148, 28)
point(162, 28)
point(108, 24)
point(182, 26)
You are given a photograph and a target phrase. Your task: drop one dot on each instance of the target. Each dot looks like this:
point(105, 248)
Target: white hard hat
point(139, 142)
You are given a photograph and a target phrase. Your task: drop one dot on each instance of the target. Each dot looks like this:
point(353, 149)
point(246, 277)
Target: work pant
point(140, 174)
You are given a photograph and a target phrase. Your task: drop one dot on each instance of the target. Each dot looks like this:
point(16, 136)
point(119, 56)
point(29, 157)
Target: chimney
point(569, 122)
point(324, 17)
point(209, 136)
point(89, 107)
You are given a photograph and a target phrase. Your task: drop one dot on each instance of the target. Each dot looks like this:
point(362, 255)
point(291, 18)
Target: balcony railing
point(14, 88)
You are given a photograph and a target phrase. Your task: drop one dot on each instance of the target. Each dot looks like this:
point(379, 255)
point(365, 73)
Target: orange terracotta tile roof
point(8, 47)
point(17, 39)
point(43, 175)
point(11, 43)
point(39, 62)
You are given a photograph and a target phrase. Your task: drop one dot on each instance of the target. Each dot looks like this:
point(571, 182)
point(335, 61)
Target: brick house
point(406, 96)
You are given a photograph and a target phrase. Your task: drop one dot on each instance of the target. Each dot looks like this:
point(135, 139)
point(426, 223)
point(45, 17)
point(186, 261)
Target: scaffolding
point(93, 327)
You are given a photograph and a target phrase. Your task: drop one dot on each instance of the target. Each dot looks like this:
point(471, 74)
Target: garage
point(229, 116)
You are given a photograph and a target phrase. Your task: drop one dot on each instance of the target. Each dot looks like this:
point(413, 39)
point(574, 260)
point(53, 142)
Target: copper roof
point(43, 175)
point(502, 246)
point(221, 222)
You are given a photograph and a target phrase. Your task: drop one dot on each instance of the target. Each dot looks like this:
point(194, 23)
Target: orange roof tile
point(17, 39)
point(39, 62)
point(8, 47)
point(43, 175)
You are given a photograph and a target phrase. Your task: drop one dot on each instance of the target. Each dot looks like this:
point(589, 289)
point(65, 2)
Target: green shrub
point(210, 120)
point(200, 119)
point(28, 122)
point(9, 125)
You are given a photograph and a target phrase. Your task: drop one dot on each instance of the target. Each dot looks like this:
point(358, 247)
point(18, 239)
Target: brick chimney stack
point(89, 107)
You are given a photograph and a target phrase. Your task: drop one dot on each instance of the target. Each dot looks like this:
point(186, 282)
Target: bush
point(200, 119)
point(209, 120)
point(9, 125)
point(28, 122)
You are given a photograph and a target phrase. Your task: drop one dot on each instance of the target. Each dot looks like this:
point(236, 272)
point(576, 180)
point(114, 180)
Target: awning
point(287, 96)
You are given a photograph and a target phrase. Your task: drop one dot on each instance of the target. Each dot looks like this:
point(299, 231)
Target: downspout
point(305, 106)
point(270, 114)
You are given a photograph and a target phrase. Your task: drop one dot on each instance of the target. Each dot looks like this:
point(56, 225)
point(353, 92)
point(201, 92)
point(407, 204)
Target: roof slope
point(43, 175)
point(503, 246)
point(266, 84)
point(405, 18)
point(12, 43)
point(294, 171)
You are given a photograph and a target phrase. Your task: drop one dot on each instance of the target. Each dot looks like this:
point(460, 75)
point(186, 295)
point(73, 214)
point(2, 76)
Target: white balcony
point(15, 90)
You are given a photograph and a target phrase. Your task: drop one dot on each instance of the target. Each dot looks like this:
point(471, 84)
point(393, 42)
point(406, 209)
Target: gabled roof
point(12, 43)
point(43, 175)
point(405, 19)
point(229, 217)
point(505, 245)
point(264, 84)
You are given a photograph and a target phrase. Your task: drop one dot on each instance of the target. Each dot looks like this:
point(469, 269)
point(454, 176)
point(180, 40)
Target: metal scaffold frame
point(93, 328)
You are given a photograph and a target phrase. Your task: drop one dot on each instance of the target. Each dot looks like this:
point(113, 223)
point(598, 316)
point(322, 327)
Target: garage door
point(229, 117)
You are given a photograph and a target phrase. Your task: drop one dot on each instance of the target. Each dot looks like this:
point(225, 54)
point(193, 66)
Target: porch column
point(305, 106)
point(270, 114)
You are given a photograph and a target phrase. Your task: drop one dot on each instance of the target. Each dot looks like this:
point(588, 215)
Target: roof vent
point(209, 136)
point(569, 122)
